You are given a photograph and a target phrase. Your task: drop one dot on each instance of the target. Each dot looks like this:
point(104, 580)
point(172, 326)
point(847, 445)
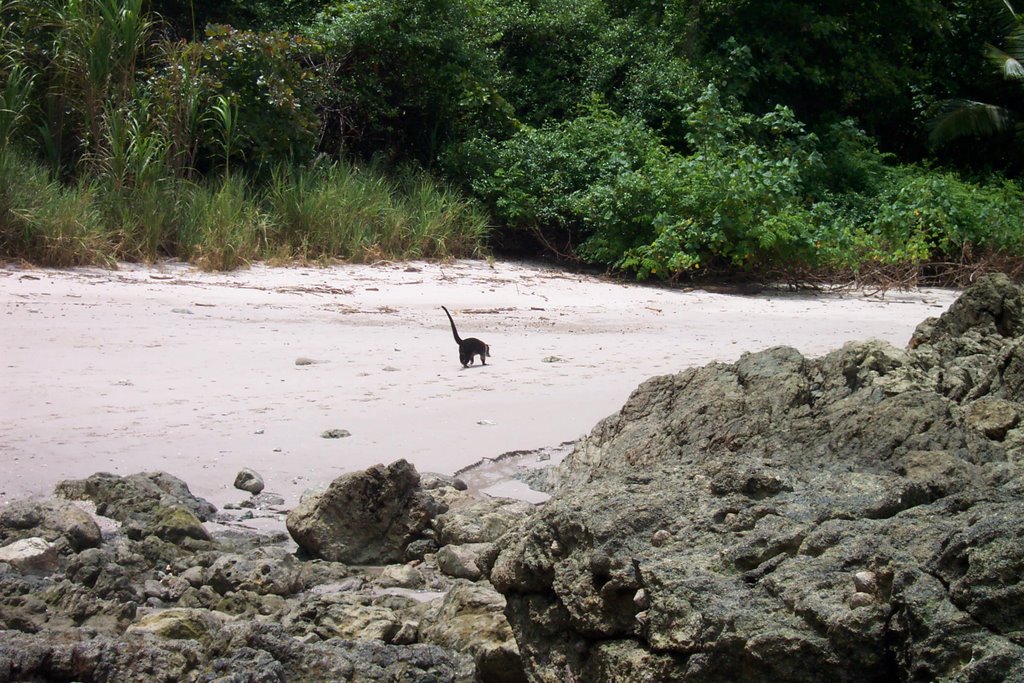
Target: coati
point(469, 347)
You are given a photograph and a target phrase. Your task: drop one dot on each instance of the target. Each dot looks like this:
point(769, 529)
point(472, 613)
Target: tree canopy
point(656, 137)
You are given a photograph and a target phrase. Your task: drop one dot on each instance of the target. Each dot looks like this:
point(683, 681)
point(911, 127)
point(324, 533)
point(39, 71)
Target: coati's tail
point(454, 331)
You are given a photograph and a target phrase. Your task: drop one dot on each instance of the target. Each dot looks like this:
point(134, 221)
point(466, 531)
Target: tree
point(964, 117)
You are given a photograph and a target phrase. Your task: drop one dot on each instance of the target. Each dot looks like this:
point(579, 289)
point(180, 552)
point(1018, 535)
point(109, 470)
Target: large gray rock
point(124, 498)
point(277, 574)
point(54, 520)
point(471, 619)
point(236, 651)
point(147, 503)
point(472, 519)
point(30, 555)
point(366, 517)
point(463, 561)
point(854, 517)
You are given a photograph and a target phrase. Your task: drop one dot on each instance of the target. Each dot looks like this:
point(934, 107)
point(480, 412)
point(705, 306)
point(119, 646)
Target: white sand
point(168, 368)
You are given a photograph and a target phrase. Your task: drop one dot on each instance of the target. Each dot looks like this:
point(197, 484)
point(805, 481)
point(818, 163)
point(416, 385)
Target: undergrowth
point(336, 211)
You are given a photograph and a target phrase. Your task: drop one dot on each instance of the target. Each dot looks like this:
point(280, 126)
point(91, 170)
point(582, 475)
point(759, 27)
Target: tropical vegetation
point(664, 139)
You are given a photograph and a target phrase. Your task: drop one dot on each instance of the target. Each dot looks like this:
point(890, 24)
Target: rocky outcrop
point(147, 503)
point(146, 602)
point(470, 619)
point(237, 651)
point(135, 495)
point(857, 517)
point(365, 518)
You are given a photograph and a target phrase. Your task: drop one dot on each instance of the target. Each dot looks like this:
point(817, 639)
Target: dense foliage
point(659, 138)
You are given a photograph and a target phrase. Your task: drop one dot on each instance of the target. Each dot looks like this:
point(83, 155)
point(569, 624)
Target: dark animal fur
point(469, 347)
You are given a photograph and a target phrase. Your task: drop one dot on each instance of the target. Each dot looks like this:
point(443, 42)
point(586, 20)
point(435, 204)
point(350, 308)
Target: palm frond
point(1015, 41)
point(1008, 66)
point(963, 118)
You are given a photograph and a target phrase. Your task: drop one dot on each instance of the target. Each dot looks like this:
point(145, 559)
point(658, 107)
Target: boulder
point(30, 555)
point(180, 624)
point(249, 480)
point(854, 517)
point(401, 576)
point(471, 619)
point(275, 575)
point(55, 657)
point(471, 519)
point(136, 495)
point(364, 518)
point(54, 520)
point(174, 524)
point(237, 650)
point(462, 561)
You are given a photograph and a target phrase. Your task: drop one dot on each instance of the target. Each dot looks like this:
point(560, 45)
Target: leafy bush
point(630, 202)
point(927, 215)
point(269, 78)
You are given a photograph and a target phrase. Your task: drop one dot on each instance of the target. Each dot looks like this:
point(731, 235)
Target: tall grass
point(46, 223)
point(221, 226)
point(362, 213)
point(130, 212)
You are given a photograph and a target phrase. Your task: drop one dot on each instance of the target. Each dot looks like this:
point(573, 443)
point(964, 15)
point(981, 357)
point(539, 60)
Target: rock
point(180, 624)
point(407, 634)
point(462, 561)
point(660, 538)
point(196, 576)
point(865, 582)
point(365, 517)
point(263, 501)
point(419, 549)
point(251, 650)
point(55, 657)
point(173, 524)
point(471, 619)
point(400, 576)
point(335, 434)
point(50, 519)
point(135, 496)
point(302, 360)
point(359, 622)
point(854, 517)
point(480, 520)
point(993, 417)
point(30, 555)
point(275, 575)
point(249, 480)
point(430, 481)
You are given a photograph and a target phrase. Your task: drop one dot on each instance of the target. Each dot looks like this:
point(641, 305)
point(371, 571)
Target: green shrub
point(630, 202)
point(269, 78)
point(407, 77)
point(928, 215)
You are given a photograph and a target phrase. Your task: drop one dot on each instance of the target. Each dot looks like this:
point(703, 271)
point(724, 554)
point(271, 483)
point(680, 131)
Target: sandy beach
point(200, 374)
